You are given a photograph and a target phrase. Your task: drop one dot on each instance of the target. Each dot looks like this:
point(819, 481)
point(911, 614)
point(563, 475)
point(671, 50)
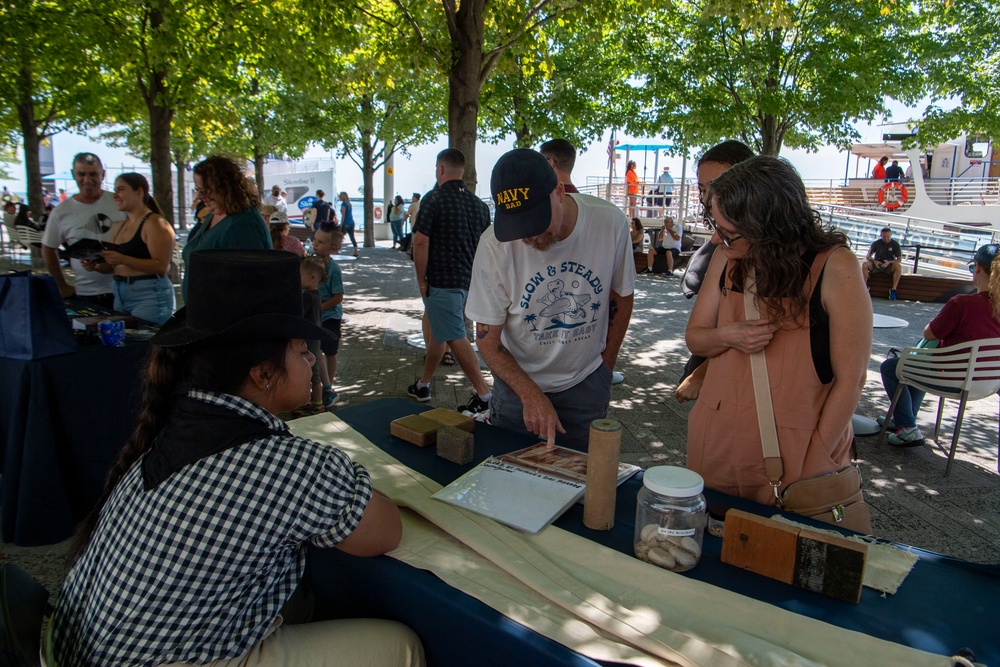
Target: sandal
point(448, 359)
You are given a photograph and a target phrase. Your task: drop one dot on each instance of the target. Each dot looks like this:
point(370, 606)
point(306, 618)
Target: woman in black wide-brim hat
point(201, 536)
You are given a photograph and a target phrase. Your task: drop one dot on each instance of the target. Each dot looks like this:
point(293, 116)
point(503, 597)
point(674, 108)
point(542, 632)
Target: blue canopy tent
point(61, 176)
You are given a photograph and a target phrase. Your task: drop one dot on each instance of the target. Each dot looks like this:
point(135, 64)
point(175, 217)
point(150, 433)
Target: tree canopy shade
point(50, 83)
point(566, 80)
point(386, 99)
point(787, 72)
point(958, 50)
point(467, 40)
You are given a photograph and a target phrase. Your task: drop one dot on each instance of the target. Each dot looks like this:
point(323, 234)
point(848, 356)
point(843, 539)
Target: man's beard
point(542, 242)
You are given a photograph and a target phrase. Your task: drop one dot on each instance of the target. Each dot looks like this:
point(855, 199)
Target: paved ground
point(911, 502)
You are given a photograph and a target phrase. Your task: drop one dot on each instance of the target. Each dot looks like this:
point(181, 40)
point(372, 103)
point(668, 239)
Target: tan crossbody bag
point(833, 498)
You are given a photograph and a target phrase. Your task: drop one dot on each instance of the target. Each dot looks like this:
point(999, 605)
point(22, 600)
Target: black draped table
point(943, 605)
point(63, 420)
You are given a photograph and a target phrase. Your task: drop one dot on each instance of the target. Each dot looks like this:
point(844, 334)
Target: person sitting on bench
point(668, 242)
point(884, 256)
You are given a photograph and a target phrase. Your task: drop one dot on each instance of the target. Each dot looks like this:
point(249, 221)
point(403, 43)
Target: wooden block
point(760, 545)
point(415, 429)
point(446, 417)
point(455, 445)
point(830, 565)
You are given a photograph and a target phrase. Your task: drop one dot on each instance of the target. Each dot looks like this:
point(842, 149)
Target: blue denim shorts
point(445, 308)
point(151, 300)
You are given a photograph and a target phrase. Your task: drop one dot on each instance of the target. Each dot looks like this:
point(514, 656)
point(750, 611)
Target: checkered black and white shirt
point(197, 568)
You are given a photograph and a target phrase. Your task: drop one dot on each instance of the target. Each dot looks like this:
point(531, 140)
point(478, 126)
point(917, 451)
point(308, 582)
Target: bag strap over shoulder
point(773, 467)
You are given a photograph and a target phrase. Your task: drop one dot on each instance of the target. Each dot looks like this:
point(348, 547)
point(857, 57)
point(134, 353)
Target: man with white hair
point(90, 213)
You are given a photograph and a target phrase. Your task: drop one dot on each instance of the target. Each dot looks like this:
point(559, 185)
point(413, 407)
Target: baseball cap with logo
point(521, 183)
point(984, 256)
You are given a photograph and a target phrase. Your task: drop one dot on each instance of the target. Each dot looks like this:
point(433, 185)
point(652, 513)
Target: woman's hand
point(690, 387)
point(750, 336)
point(90, 265)
point(113, 257)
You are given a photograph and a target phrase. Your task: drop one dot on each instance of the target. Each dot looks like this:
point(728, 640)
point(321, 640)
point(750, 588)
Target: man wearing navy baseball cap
point(551, 295)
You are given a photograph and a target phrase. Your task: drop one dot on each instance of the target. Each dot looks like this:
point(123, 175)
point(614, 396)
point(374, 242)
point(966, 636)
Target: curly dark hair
point(765, 200)
point(224, 178)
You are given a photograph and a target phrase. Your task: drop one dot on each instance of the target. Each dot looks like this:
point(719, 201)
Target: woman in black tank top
point(140, 259)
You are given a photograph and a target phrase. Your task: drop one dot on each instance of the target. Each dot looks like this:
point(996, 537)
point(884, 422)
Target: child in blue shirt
point(331, 292)
point(313, 272)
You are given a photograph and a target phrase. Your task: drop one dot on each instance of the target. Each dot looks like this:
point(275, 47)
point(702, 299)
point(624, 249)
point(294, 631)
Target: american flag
point(612, 142)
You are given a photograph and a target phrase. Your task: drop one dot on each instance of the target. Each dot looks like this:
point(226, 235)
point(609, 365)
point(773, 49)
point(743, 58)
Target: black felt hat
point(240, 296)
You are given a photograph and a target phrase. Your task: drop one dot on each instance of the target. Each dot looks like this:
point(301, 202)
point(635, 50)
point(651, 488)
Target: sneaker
point(881, 421)
point(670, 272)
point(647, 270)
point(474, 406)
point(422, 394)
point(616, 377)
point(329, 396)
point(892, 295)
point(906, 437)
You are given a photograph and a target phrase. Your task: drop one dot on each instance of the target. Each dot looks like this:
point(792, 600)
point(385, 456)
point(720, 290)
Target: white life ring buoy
point(892, 195)
point(378, 212)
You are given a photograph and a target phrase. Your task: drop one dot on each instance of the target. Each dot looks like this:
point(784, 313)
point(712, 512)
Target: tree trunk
point(29, 134)
point(770, 136)
point(161, 115)
point(258, 173)
point(368, 174)
point(464, 85)
point(182, 205)
point(160, 118)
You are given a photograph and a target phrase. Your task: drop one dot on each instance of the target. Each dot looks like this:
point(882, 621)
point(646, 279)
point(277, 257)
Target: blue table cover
point(945, 604)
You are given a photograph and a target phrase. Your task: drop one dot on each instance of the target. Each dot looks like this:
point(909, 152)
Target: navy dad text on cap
point(521, 183)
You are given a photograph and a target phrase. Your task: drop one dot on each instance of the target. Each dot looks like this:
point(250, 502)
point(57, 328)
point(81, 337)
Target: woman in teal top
point(234, 221)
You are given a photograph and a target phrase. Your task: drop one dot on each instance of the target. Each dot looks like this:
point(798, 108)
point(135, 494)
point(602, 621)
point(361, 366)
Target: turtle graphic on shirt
point(564, 307)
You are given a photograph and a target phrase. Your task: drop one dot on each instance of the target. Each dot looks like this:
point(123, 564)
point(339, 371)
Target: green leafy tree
point(165, 54)
point(385, 102)
point(194, 133)
point(467, 40)
point(784, 73)
point(568, 79)
point(958, 52)
point(51, 84)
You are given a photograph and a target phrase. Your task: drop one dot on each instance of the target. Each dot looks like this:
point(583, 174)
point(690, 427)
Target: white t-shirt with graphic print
point(554, 304)
point(73, 220)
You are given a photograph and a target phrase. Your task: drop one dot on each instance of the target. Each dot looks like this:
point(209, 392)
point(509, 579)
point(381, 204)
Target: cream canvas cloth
point(596, 601)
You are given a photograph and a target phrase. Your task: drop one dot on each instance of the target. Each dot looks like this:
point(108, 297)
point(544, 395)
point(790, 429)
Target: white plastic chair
point(29, 237)
point(969, 372)
point(177, 264)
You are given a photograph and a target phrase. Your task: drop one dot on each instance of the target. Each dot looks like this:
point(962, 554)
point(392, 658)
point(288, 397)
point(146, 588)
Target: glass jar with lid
point(670, 518)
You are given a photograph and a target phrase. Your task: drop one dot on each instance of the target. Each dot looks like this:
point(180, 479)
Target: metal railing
point(944, 248)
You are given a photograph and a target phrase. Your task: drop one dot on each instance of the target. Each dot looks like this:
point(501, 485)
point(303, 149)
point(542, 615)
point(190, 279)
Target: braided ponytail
point(171, 372)
point(165, 368)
